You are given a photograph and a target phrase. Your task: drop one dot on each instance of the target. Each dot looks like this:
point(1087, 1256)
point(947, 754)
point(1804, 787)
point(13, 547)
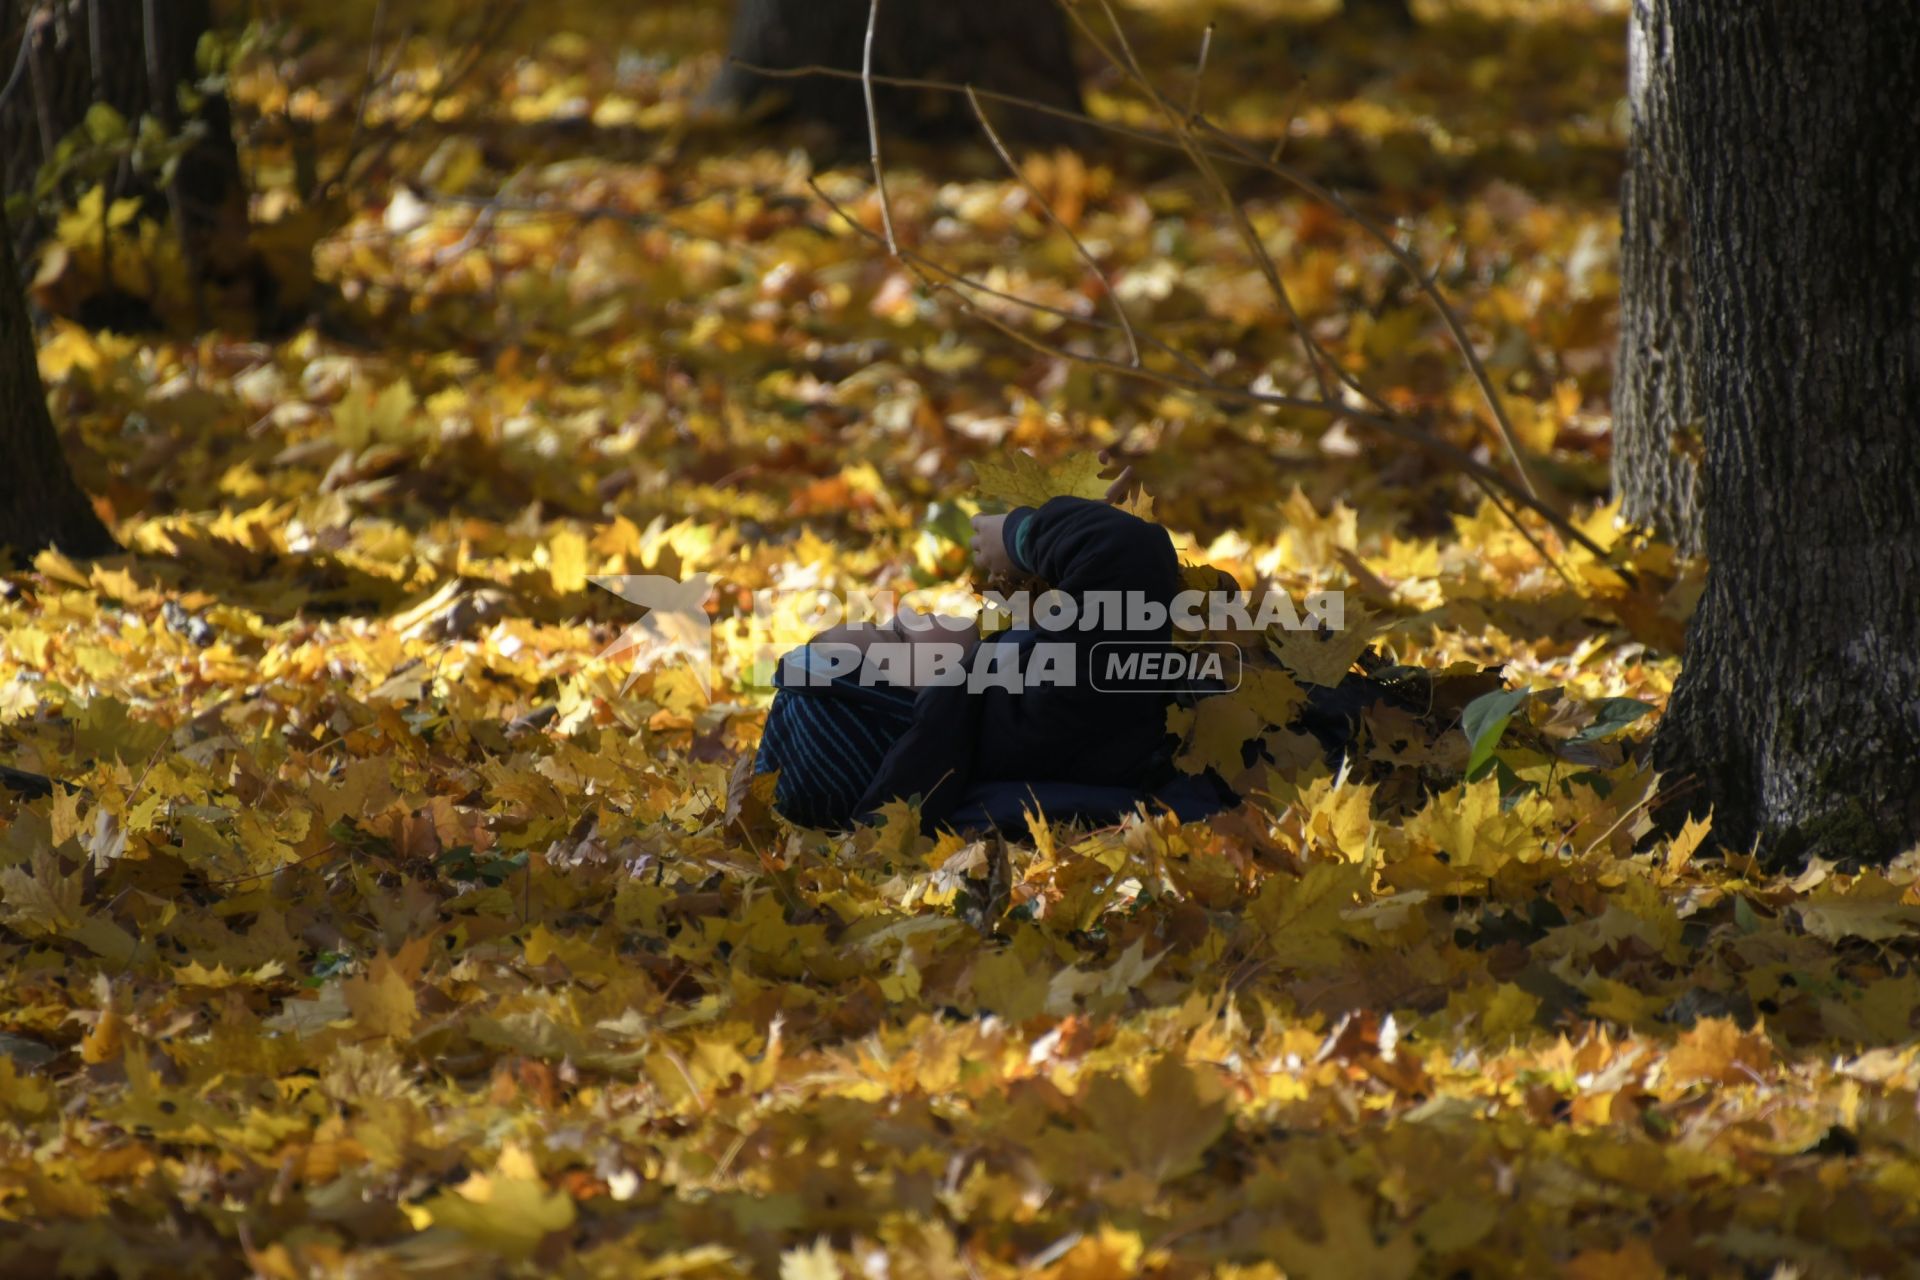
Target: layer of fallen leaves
point(375, 929)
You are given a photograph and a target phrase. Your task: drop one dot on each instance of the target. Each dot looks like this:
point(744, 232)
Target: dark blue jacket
point(962, 739)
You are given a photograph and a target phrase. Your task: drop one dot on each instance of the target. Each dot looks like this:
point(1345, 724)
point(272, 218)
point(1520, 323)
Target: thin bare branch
point(947, 86)
point(1540, 548)
point(1201, 153)
point(1125, 60)
point(1400, 429)
point(37, 77)
point(498, 21)
point(949, 277)
point(96, 54)
point(1221, 145)
point(873, 130)
point(1006, 157)
point(374, 34)
point(1200, 72)
point(19, 60)
point(161, 93)
point(1409, 263)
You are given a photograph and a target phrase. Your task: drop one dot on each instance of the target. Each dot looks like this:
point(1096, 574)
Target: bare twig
point(873, 130)
point(476, 231)
point(1221, 145)
point(162, 94)
point(1119, 311)
point(1202, 152)
point(1410, 264)
point(96, 56)
point(373, 76)
point(37, 76)
point(19, 60)
point(949, 278)
point(1317, 360)
point(1398, 428)
point(498, 206)
point(1493, 496)
point(1200, 72)
point(968, 282)
point(499, 19)
point(948, 86)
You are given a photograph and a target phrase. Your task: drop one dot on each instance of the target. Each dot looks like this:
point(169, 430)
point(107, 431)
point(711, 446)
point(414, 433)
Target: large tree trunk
point(1395, 15)
point(1656, 407)
point(66, 66)
point(1017, 47)
point(39, 503)
point(1798, 708)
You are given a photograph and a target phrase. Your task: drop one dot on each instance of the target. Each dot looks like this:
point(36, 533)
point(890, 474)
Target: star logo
point(675, 625)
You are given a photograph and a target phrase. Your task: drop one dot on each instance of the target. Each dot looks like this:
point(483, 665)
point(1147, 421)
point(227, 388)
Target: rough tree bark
point(1018, 47)
point(40, 505)
point(1798, 707)
point(1656, 405)
point(65, 66)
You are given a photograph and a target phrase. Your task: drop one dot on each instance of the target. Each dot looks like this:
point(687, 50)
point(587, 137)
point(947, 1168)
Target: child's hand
point(989, 546)
point(1124, 481)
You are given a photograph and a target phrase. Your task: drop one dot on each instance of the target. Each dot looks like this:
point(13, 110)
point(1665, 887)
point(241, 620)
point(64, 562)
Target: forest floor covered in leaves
point(381, 931)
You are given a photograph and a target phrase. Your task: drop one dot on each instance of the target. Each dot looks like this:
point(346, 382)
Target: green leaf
point(1512, 785)
point(950, 521)
point(105, 125)
point(1611, 715)
point(1484, 720)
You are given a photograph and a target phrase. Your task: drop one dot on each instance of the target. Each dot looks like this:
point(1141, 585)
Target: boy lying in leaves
point(1023, 720)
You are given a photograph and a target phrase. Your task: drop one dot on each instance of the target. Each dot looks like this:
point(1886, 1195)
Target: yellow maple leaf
point(382, 1000)
point(1004, 983)
point(21, 1095)
point(1164, 1128)
point(510, 1210)
point(1215, 731)
point(567, 562)
point(1503, 1011)
point(1272, 695)
point(1348, 1246)
point(363, 418)
point(44, 899)
point(1325, 657)
point(1302, 920)
point(106, 1039)
point(1342, 818)
point(1717, 1051)
point(1834, 918)
point(811, 1262)
point(1021, 480)
point(1477, 835)
point(1681, 848)
point(1109, 1253)
point(1633, 1260)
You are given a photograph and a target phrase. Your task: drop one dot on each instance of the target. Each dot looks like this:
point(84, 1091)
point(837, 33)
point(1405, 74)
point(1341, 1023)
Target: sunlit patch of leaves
point(374, 929)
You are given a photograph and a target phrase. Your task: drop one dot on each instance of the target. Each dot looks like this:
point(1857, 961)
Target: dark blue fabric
point(827, 741)
point(1067, 734)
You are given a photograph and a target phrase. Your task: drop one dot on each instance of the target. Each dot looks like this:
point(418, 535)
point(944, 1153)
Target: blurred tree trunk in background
point(1017, 47)
point(1656, 407)
point(1797, 712)
point(1383, 13)
point(40, 505)
point(64, 66)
